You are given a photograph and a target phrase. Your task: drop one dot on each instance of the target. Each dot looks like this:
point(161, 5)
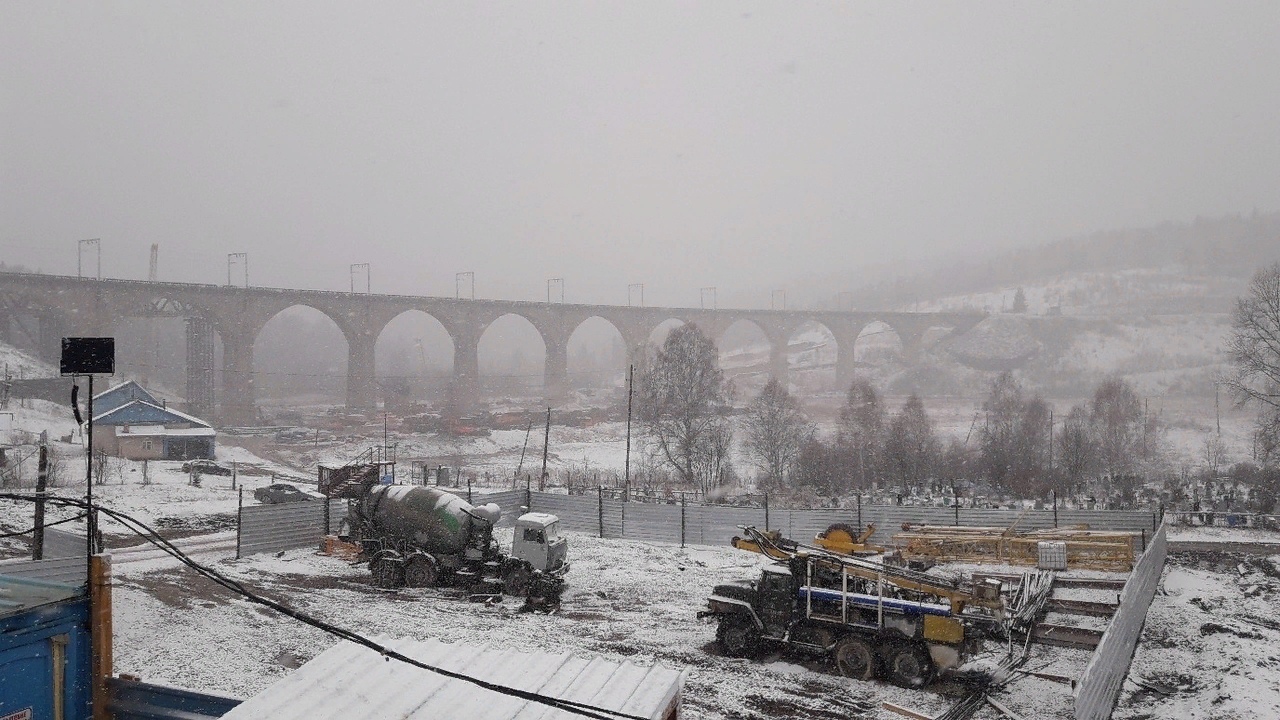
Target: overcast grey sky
point(741, 145)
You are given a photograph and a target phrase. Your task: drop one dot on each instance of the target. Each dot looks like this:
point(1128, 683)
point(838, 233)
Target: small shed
point(142, 430)
point(353, 681)
point(44, 649)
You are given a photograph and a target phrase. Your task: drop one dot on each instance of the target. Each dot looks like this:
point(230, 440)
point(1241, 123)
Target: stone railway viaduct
point(68, 306)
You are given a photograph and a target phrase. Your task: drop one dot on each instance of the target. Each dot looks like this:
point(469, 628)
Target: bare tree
point(911, 448)
point(776, 431)
point(1015, 438)
point(861, 430)
point(682, 402)
point(1253, 347)
point(1077, 448)
point(1119, 424)
point(1214, 454)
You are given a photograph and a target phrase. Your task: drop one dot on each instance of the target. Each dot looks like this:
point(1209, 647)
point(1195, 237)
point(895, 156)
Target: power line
point(147, 533)
point(32, 529)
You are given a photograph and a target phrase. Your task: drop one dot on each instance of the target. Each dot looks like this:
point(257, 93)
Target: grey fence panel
point(1123, 520)
point(576, 512)
point(286, 526)
point(653, 522)
point(68, 570)
point(62, 544)
point(716, 525)
point(1099, 687)
point(804, 525)
point(510, 501)
point(615, 517)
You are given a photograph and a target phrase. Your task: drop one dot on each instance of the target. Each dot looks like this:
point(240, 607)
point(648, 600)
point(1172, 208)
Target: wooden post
point(102, 666)
point(42, 484)
point(860, 525)
point(766, 512)
point(600, 507)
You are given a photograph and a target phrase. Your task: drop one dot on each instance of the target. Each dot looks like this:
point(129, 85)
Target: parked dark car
point(283, 493)
point(205, 467)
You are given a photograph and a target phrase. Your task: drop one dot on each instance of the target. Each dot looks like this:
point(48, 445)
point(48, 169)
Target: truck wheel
point(854, 659)
point(388, 570)
point(421, 570)
point(515, 580)
point(909, 665)
point(738, 637)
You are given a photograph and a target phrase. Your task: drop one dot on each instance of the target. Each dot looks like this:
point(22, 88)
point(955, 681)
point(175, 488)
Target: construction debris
point(1085, 549)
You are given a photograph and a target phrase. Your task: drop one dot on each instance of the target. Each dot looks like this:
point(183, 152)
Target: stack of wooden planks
point(1086, 549)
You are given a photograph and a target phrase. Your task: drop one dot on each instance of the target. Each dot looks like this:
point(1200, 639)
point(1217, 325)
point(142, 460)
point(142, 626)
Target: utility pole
point(1050, 439)
point(1217, 410)
point(631, 291)
point(470, 278)
point(626, 472)
point(244, 262)
point(96, 243)
point(355, 268)
point(546, 441)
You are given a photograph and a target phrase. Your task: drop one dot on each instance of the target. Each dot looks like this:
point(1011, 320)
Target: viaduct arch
point(86, 306)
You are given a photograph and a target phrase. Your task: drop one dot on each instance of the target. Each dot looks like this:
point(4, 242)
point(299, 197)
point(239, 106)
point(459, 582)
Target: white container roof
point(351, 681)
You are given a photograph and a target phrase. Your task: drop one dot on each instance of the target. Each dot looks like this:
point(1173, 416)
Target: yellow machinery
point(843, 539)
point(840, 539)
point(771, 544)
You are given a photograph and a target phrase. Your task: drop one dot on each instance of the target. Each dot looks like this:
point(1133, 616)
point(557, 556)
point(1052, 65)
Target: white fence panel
point(1095, 696)
point(67, 570)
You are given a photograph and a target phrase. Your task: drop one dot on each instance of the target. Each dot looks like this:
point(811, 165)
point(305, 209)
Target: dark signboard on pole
point(88, 356)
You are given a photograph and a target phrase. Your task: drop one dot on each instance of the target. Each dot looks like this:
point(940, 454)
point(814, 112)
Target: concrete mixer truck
point(423, 537)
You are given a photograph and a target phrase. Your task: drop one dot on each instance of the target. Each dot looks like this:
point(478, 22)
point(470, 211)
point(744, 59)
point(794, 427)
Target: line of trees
point(1019, 448)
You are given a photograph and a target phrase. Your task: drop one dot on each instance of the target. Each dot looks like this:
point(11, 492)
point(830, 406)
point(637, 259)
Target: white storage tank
point(1052, 555)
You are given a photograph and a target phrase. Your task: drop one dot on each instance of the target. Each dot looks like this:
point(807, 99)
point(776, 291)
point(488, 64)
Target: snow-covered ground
point(1208, 649)
point(627, 600)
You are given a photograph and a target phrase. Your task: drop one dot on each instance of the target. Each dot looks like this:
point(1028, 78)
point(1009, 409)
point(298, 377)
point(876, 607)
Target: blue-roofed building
point(122, 394)
point(131, 423)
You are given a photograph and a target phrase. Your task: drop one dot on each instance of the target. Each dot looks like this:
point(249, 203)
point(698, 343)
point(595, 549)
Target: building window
point(146, 445)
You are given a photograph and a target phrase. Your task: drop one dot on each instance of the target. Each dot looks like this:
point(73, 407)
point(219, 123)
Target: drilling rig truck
point(872, 619)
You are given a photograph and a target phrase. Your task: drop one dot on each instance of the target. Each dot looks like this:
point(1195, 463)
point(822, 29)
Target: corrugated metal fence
point(66, 570)
point(285, 526)
point(273, 528)
point(64, 560)
point(717, 524)
point(1095, 696)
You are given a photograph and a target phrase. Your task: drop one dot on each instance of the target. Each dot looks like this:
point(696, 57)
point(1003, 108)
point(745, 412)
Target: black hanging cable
point(32, 529)
point(147, 533)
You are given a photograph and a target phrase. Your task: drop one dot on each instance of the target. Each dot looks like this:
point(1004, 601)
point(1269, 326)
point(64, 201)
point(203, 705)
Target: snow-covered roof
point(161, 430)
point(143, 412)
point(121, 395)
point(538, 518)
point(352, 681)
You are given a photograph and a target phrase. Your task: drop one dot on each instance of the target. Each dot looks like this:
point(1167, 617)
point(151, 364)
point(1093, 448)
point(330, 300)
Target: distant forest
point(1233, 246)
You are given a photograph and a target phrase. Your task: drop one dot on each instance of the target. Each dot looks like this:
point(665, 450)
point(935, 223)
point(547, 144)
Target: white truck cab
point(538, 542)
